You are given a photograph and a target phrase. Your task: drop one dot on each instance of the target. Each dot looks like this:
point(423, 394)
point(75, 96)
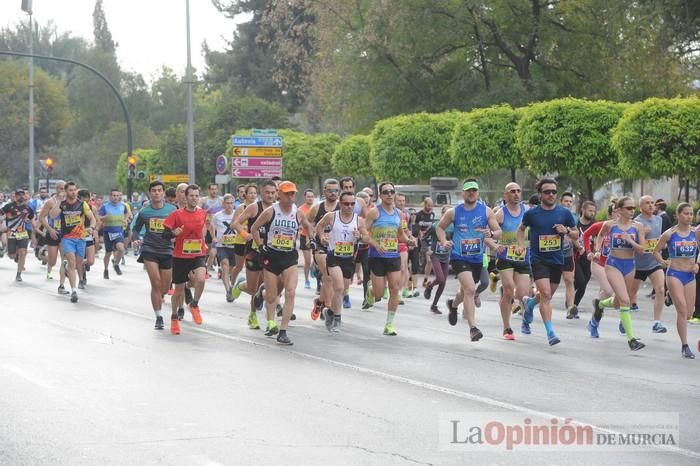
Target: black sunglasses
point(348, 204)
point(549, 192)
point(388, 192)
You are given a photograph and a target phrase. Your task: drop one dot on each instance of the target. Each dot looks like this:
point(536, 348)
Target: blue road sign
point(259, 141)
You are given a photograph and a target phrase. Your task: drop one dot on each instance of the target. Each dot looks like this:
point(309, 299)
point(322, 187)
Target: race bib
point(516, 253)
point(685, 248)
point(72, 220)
point(283, 242)
point(192, 246)
point(344, 248)
point(228, 240)
point(439, 248)
point(549, 243)
point(22, 234)
point(619, 241)
point(156, 225)
point(471, 246)
point(113, 236)
point(651, 245)
point(389, 244)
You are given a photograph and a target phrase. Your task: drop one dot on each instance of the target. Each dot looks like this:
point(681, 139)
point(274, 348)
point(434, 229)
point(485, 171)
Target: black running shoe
point(74, 297)
point(283, 339)
point(635, 345)
point(597, 311)
point(328, 319)
point(270, 332)
point(62, 290)
point(188, 295)
point(434, 309)
point(116, 268)
point(294, 316)
point(81, 285)
point(280, 309)
point(258, 300)
point(475, 334)
point(428, 291)
point(452, 312)
point(181, 313)
point(159, 323)
point(105, 275)
point(18, 278)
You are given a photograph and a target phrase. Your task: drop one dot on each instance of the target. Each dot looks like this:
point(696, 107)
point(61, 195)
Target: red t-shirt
point(190, 243)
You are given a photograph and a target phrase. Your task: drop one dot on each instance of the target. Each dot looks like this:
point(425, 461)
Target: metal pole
point(190, 129)
point(31, 104)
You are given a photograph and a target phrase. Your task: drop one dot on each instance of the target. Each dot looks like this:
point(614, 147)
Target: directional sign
point(170, 178)
point(257, 141)
point(256, 172)
point(271, 162)
point(257, 151)
point(221, 164)
point(263, 132)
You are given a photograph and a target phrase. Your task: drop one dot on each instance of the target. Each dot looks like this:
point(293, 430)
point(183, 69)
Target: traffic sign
point(263, 132)
point(256, 172)
point(256, 141)
point(221, 163)
point(170, 178)
point(222, 179)
point(272, 162)
point(257, 151)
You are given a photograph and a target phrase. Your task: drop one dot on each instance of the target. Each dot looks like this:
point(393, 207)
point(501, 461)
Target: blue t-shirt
point(467, 237)
point(115, 216)
point(151, 220)
point(545, 242)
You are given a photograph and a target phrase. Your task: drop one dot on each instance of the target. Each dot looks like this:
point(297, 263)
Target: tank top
point(239, 238)
point(72, 218)
point(385, 232)
point(467, 243)
point(682, 247)
point(617, 241)
point(341, 239)
point(251, 221)
point(509, 233)
point(282, 229)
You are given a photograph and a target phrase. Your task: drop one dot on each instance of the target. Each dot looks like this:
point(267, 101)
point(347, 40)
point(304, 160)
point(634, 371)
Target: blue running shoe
point(658, 328)
point(553, 339)
point(634, 307)
point(346, 302)
point(621, 328)
point(593, 328)
point(307, 284)
point(528, 315)
point(525, 328)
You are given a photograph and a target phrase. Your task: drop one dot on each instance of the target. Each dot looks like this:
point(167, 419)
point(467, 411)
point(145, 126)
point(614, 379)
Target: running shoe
point(658, 327)
point(386, 293)
point(316, 310)
point(272, 329)
point(74, 297)
point(634, 307)
point(18, 277)
point(175, 326)
point(105, 274)
point(635, 345)
point(686, 353)
point(283, 339)
point(592, 327)
point(401, 302)
point(307, 284)
point(525, 328)
point(428, 292)
point(416, 293)
point(366, 306)
point(49, 275)
point(434, 309)
point(493, 281)
point(62, 290)
point(159, 323)
point(369, 297)
point(404, 294)
point(294, 316)
point(253, 323)
point(572, 312)
point(81, 285)
point(621, 329)
point(390, 330)
point(508, 334)
point(694, 320)
point(667, 299)
point(329, 319)
point(258, 300)
point(451, 312)
point(279, 309)
point(116, 267)
point(514, 308)
point(229, 298)
point(477, 300)
point(528, 316)
point(336, 326)
point(188, 294)
point(346, 302)
point(181, 313)
point(475, 334)
point(196, 315)
point(553, 339)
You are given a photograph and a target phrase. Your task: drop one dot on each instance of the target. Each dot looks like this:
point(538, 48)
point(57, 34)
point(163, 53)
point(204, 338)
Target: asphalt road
point(94, 383)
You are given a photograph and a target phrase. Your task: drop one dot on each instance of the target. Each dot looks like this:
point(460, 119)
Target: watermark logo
point(606, 431)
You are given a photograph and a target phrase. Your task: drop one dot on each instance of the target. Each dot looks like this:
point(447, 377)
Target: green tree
point(351, 157)
point(570, 137)
point(410, 148)
point(660, 137)
point(147, 160)
point(307, 157)
point(484, 141)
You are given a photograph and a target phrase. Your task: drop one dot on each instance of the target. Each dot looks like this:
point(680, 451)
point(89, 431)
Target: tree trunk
point(589, 187)
point(512, 175)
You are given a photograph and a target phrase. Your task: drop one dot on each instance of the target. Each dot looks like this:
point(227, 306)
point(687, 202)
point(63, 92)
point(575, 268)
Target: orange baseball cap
point(287, 187)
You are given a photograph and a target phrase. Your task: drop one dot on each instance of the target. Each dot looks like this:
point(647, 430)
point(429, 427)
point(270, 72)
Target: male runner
point(582, 268)
point(89, 259)
point(567, 201)
point(425, 218)
point(52, 226)
point(17, 214)
point(211, 204)
point(305, 237)
point(115, 217)
point(221, 229)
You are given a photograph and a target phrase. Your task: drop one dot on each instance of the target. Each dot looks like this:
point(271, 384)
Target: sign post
point(256, 156)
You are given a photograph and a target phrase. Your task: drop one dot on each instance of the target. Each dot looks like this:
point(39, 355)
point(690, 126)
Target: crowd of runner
point(182, 235)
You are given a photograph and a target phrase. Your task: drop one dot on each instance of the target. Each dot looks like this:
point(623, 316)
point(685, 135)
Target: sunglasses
point(629, 207)
point(549, 192)
point(388, 192)
point(348, 204)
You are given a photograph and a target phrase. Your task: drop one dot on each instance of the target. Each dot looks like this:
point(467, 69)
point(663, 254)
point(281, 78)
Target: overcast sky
point(149, 33)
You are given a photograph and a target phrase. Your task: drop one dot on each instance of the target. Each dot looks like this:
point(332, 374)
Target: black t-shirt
point(16, 216)
point(423, 222)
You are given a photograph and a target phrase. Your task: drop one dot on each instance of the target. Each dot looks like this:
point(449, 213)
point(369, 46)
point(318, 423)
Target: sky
point(149, 33)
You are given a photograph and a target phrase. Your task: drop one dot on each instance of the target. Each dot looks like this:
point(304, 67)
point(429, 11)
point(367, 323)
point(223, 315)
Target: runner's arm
point(264, 217)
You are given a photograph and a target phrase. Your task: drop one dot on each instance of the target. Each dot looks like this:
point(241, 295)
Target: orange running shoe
point(171, 291)
point(175, 326)
point(316, 311)
point(196, 315)
point(508, 334)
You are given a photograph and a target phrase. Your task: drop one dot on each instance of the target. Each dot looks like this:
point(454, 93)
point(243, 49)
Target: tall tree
point(102, 36)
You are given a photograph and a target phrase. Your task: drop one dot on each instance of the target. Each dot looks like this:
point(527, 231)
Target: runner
point(440, 257)
point(189, 256)
point(89, 259)
point(626, 237)
point(475, 227)
point(400, 204)
point(548, 223)
point(253, 267)
point(362, 256)
point(211, 204)
point(115, 217)
point(280, 256)
point(17, 214)
point(425, 219)
point(38, 233)
point(156, 250)
point(347, 184)
point(645, 263)
point(567, 201)
point(331, 190)
point(681, 268)
point(221, 229)
point(52, 226)
point(582, 266)
point(239, 242)
point(73, 212)
point(512, 262)
point(304, 237)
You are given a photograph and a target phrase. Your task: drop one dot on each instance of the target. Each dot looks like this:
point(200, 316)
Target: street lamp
point(27, 7)
point(190, 125)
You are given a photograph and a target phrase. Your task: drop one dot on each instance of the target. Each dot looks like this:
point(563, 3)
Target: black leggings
point(582, 275)
point(441, 270)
